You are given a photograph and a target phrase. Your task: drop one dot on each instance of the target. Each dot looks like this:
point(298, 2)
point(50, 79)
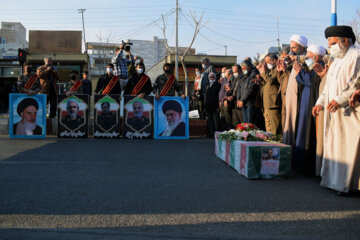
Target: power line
point(227, 37)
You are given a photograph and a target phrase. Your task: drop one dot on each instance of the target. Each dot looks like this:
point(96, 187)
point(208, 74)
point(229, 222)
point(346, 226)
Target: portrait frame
point(160, 118)
point(78, 128)
point(14, 118)
point(138, 128)
point(100, 129)
point(270, 165)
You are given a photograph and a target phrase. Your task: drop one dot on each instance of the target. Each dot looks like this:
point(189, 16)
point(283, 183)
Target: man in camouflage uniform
point(24, 78)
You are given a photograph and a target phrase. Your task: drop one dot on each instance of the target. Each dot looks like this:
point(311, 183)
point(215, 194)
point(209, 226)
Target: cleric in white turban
point(316, 49)
point(309, 82)
point(298, 45)
point(299, 39)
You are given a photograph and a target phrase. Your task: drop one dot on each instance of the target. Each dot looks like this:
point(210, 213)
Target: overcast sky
point(246, 27)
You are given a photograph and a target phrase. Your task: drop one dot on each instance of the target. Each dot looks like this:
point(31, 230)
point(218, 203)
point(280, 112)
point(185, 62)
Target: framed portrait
point(138, 117)
point(171, 118)
point(27, 115)
point(107, 116)
point(270, 161)
point(73, 116)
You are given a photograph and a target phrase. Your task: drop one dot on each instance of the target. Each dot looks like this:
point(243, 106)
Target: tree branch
point(164, 33)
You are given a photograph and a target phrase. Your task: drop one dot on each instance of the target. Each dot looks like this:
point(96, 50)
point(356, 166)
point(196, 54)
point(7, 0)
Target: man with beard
point(308, 81)
point(72, 120)
point(138, 122)
point(106, 119)
point(27, 109)
point(175, 126)
point(298, 46)
point(341, 157)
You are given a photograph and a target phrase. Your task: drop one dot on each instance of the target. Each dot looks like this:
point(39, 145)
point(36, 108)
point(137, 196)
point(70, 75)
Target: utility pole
point(176, 43)
point(333, 13)
point(225, 50)
point(82, 10)
point(278, 32)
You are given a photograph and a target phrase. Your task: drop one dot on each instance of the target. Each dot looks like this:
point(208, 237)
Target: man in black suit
point(211, 104)
point(175, 126)
point(27, 109)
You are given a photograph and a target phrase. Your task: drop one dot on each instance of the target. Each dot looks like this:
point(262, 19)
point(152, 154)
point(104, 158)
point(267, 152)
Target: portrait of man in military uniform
point(138, 117)
point(72, 120)
point(106, 119)
point(139, 121)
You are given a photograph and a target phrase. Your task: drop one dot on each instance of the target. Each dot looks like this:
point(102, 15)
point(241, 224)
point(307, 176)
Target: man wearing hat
point(341, 157)
point(27, 109)
point(298, 46)
point(308, 81)
point(175, 126)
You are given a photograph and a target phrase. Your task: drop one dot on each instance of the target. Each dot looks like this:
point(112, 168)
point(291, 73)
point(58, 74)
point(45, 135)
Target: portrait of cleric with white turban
point(175, 126)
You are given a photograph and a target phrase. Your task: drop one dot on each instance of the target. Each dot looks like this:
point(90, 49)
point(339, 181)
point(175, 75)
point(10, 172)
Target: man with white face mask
point(211, 105)
point(298, 46)
point(308, 82)
point(27, 109)
point(105, 79)
point(269, 92)
point(139, 83)
point(204, 81)
point(341, 157)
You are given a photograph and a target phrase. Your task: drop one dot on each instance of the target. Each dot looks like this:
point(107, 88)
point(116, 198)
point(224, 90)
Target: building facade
point(12, 37)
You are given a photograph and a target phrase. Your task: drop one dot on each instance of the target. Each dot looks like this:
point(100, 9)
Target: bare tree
point(198, 26)
point(355, 24)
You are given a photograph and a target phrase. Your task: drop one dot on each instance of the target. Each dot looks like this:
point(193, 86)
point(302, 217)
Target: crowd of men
point(305, 93)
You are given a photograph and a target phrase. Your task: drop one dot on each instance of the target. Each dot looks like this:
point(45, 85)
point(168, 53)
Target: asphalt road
point(156, 189)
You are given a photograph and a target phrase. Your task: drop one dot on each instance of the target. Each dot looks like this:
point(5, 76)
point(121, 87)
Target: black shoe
point(342, 194)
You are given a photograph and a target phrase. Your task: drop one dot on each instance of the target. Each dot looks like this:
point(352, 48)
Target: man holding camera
point(48, 77)
point(124, 63)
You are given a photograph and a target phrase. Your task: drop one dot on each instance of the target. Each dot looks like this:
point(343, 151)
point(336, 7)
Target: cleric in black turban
point(340, 31)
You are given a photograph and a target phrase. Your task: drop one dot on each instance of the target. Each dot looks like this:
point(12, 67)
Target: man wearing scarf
point(341, 158)
point(308, 81)
point(139, 83)
point(298, 46)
